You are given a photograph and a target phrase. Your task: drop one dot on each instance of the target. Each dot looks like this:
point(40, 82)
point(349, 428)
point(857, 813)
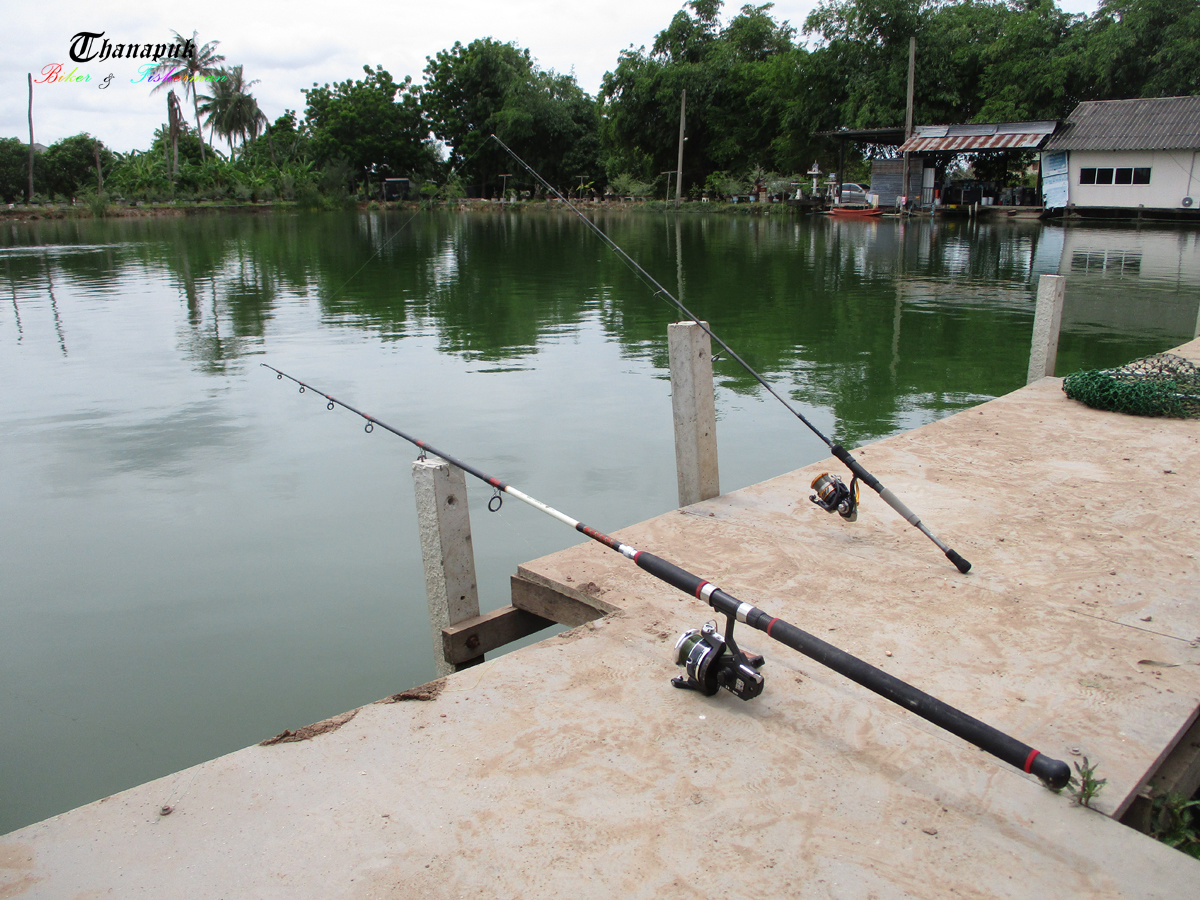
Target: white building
point(1125, 158)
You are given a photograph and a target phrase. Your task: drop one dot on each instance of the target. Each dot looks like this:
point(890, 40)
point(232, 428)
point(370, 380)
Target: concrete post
point(1047, 321)
point(695, 414)
point(445, 527)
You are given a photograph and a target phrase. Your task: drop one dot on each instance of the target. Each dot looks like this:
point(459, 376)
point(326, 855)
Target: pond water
point(195, 557)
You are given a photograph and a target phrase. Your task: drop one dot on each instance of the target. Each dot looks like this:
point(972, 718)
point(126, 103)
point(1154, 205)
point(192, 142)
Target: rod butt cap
point(962, 565)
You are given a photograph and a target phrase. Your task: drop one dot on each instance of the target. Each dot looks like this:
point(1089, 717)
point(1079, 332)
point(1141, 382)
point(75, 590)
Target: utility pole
point(682, 126)
point(908, 107)
point(29, 195)
point(669, 173)
point(504, 185)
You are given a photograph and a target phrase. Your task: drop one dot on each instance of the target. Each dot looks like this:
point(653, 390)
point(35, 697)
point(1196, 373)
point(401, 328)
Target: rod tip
point(962, 565)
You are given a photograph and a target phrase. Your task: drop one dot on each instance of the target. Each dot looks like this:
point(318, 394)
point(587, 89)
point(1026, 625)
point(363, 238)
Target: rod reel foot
point(712, 663)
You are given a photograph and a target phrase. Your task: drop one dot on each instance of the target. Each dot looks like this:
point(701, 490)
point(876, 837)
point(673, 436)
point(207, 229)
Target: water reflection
point(166, 445)
point(871, 319)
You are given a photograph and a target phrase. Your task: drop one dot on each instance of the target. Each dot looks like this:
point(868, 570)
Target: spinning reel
point(713, 662)
point(833, 495)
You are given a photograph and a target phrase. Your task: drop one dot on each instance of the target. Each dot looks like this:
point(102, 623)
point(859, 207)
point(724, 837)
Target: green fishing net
point(1160, 385)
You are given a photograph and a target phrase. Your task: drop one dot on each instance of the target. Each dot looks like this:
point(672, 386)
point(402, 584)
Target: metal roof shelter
point(866, 135)
point(973, 138)
point(1163, 123)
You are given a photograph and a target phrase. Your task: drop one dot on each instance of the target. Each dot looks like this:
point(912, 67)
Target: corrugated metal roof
point(969, 138)
point(1164, 123)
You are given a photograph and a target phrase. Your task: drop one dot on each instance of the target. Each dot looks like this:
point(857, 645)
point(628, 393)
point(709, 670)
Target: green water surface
point(194, 557)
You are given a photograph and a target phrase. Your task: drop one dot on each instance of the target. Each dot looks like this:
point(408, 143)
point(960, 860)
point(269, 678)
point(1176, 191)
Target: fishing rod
point(831, 494)
point(713, 661)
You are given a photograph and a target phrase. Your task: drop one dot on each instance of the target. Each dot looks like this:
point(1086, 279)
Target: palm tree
point(202, 63)
point(174, 124)
point(230, 110)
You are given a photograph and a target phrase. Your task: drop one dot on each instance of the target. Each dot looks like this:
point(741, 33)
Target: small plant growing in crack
point(1084, 786)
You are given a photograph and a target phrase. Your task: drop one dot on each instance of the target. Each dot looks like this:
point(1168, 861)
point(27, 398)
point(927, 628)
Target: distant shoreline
point(21, 213)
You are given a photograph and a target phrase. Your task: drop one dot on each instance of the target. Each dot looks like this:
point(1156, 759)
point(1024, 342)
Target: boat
point(857, 211)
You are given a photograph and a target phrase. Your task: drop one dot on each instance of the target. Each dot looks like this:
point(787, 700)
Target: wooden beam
point(548, 603)
point(467, 640)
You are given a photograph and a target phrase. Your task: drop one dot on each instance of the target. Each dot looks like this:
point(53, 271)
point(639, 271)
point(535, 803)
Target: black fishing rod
point(713, 661)
point(831, 493)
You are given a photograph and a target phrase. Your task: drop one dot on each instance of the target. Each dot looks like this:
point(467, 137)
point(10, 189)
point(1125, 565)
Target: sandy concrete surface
point(571, 768)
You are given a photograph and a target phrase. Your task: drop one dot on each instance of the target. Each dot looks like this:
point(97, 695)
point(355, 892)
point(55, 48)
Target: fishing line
point(714, 661)
point(845, 500)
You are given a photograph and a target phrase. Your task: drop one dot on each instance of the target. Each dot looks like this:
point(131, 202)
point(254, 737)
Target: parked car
point(853, 193)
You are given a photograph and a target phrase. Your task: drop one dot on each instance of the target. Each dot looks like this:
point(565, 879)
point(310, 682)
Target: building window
point(1092, 175)
point(1121, 261)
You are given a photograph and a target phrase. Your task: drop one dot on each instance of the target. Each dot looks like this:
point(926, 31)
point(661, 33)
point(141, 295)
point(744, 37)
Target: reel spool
point(832, 495)
point(713, 662)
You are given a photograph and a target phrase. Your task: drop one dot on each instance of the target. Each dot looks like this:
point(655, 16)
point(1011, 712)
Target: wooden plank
point(555, 605)
point(471, 638)
point(1180, 772)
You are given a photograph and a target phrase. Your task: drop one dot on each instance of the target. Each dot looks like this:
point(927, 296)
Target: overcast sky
point(289, 45)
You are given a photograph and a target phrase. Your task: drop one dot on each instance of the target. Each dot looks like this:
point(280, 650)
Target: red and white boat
point(856, 211)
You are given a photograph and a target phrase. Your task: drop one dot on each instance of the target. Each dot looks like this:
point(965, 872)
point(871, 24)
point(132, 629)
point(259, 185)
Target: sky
point(287, 46)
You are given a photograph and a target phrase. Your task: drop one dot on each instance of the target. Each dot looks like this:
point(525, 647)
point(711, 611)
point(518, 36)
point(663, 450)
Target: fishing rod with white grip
point(846, 501)
point(713, 661)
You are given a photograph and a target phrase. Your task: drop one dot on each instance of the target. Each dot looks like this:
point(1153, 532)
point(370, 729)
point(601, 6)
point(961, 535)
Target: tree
point(490, 88)
point(14, 164)
point(70, 164)
point(230, 109)
point(688, 38)
point(181, 148)
point(1143, 48)
point(189, 70)
point(174, 126)
point(551, 123)
point(281, 143)
point(375, 124)
point(869, 40)
point(1032, 65)
point(742, 81)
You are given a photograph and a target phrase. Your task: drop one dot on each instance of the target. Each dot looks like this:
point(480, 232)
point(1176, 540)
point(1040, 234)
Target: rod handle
point(962, 564)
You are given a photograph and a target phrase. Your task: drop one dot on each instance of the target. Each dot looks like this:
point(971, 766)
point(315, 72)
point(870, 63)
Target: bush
point(97, 203)
point(307, 196)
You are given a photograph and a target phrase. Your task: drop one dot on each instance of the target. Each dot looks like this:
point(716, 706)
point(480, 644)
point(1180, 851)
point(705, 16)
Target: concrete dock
point(571, 768)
